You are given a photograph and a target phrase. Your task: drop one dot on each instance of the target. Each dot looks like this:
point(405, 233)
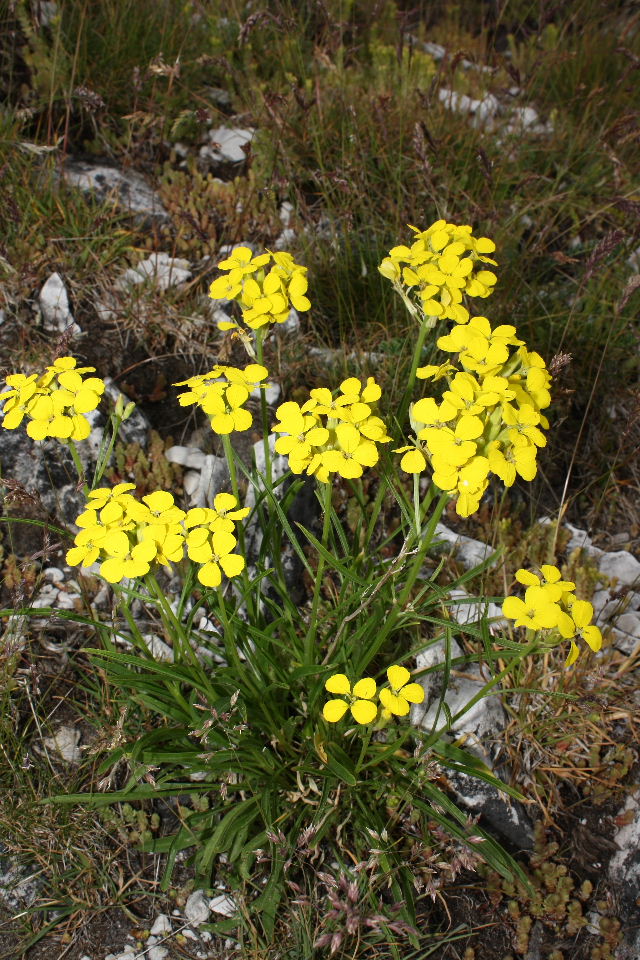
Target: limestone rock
point(226, 146)
point(128, 190)
point(53, 302)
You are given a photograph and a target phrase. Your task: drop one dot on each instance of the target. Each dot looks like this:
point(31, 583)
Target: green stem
point(364, 747)
point(105, 454)
point(78, 465)
point(317, 587)
point(260, 338)
point(416, 503)
point(399, 607)
point(172, 625)
point(230, 645)
point(426, 325)
point(231, 463)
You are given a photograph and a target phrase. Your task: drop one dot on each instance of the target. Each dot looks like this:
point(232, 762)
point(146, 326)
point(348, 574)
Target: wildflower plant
point(552, 609)
point(265, 296)
point(272, 699)
point(55, 402)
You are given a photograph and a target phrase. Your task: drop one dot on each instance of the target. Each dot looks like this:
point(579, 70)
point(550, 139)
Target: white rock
point(580, 539)
point(161, 926)
point(186, 456)
point(191, 484)
point(485, 110)
point(484, 719)
point(67, 601)
point(47, 597)
point(54, 307)
point(65, 742)
point(158, 649)
point(470, 552)
point(285, 213)
point(271, 392)
point(471, 610)
point(163, 270)
point(332, 355)
point(196, 909)
point(291, 324)
point(625, 863)
point(130, 190)
point(217, 314)
point(227, 145)
point(459, 102)
point(434, 50)
point(54, 574)
point(284, 240)
point(528, 116)
point(224, 905)
point(603, 606)
point(156, 953)
point(626, 633)
point(46, 12)
point(201, 487)
point(621, 566)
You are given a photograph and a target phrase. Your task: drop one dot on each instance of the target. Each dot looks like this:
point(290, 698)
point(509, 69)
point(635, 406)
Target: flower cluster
point(265, 296)
point(550, 605)
point(128, 536)
point(489, 419)
point(329, 435)
point(360, 700)
point(210, 539)
point(55, 402)
point(221, 393)
point(443, 263)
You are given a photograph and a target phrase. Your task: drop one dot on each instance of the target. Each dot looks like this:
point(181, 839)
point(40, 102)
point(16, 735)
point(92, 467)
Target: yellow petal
point(365, 688)
point(338, 683)
point(334, 710)
point(209, 575)
point(413, 692)
point(364, 711)
point(574, 653)
point(397, 677)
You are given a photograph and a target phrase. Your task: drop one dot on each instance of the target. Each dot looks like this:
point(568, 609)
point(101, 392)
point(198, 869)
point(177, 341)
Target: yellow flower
point(125, 559)
point(344, 442)
point(442, 263)
point(537, 611)
point(353, 452)
point(396, 700)
point(302, 432)
point(55, 401)
point(221, 394)
point(214, 551)
point(126, 535)
point(572, 616)
point(264, 296)
point(359, 701)
point(581, 613)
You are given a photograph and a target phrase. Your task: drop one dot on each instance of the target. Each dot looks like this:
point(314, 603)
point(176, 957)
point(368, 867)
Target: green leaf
point(340, 764)
point(240, 815)
point(331, 560)
point(269, 900)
